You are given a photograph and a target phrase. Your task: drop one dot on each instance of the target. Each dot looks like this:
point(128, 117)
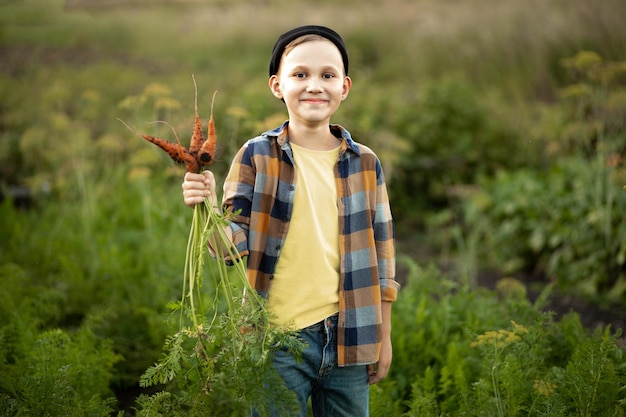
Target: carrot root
point(207, 152)
point(201, 152)
point(175, 151)
point(197, 138)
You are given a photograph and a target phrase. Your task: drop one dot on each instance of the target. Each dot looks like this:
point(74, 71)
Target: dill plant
point(524, 377)
point(594, 381)
point(493, 344)
point(221, 356)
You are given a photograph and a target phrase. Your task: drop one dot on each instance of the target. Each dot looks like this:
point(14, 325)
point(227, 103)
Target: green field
point(502, 130)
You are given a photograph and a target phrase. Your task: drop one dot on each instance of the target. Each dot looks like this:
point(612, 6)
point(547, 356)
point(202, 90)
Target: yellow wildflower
point(518, 328)
point(499, 339)
point(543, 387)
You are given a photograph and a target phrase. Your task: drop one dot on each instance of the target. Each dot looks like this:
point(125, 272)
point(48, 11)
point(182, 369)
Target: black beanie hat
point(287, 37)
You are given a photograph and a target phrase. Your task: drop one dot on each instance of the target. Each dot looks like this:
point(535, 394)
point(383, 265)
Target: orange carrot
point(197, 138)
point(200, 152)
point(207, 152)
point(176, 151)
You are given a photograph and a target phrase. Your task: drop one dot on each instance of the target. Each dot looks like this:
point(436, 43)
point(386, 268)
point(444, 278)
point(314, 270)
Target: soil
point(592, 315)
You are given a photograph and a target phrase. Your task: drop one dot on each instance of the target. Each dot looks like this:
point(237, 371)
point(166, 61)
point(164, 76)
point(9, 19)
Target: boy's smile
point(312, 82)
point(314, 101)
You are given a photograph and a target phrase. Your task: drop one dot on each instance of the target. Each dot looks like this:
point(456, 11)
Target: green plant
point(432, 323)
point(512, 358)
point(534, 225)
point(224, 349)
point(452, 140)
point(423, 400)
point(83, 256)
point(518, 380)
point(381, 402)
point(593, 382)
point(57, 374)
point(473, 352)
point(531, 219)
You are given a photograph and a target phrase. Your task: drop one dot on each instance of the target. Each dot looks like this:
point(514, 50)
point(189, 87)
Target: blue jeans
point(334, 391)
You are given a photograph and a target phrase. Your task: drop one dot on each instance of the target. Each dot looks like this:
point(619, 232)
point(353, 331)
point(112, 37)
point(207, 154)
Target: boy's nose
point(314, 86)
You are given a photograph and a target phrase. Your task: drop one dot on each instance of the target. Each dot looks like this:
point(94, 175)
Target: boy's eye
point(299, 75)
point(328, 75)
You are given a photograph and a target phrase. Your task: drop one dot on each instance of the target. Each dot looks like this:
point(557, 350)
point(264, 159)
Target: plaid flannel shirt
point(261, 184)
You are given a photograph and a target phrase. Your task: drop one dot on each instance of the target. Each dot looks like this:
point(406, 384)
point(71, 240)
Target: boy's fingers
point(197, 183)
point(191, 176)
point(376, 373)
point(191, 198)
point(371, 372)
point(209, 179)
point(193, 185)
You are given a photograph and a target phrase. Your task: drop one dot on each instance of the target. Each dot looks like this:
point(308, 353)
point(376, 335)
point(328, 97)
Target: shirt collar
point(347, 143)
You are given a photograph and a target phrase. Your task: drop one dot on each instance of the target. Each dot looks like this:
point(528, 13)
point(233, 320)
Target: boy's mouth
point(314, 100)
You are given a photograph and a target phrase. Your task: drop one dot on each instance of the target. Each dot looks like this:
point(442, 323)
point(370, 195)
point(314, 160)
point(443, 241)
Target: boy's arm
point(385, 241)
point(377, 372)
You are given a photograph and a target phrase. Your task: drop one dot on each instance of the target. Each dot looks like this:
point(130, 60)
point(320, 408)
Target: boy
point(316, 226)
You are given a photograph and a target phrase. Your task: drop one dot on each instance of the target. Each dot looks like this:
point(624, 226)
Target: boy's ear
point(347, 85)
point(275, 87)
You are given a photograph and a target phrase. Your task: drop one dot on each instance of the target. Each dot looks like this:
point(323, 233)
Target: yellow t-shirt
point(305, 288)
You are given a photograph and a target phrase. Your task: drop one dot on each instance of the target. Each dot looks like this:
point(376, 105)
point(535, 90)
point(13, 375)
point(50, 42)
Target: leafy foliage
point(592, 384)
point(459, 352)
point(560, 222)
point(566, 221)
point(453, 139)
point(57, 374)
point(493, 130)
point(223, 351)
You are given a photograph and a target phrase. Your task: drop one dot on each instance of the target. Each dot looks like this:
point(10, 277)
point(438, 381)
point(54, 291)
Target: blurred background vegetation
point(501, 127)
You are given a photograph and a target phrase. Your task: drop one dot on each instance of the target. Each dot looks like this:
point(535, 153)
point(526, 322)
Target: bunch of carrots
point(201, 152)
point(235, 350)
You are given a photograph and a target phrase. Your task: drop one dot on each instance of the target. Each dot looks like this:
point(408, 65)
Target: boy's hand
point(378, 371)
point(197, 187)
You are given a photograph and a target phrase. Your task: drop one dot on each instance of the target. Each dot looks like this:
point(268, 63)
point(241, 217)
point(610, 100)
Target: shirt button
point(277, 247)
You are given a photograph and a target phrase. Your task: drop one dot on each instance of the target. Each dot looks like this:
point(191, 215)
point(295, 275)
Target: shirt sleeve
point(384, 237)
point(237, 198)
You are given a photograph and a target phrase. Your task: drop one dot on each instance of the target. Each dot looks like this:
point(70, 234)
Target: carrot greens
point(222, 349)
point(224, 345)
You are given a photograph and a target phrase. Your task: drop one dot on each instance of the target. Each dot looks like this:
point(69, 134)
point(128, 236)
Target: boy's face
point(311, 81)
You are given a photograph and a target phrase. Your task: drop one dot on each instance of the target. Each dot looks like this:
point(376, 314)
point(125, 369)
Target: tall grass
point(100, 253)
